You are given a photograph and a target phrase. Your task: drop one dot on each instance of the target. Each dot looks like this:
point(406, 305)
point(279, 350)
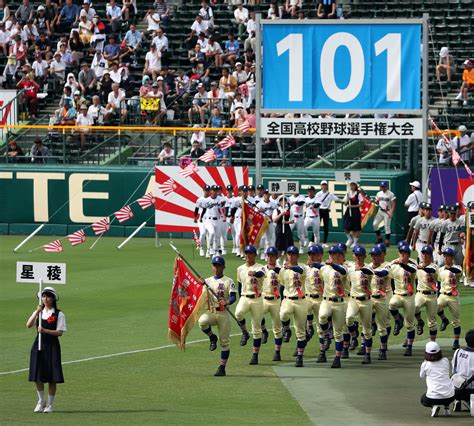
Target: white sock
point(50, 400)
point(356, 240)
point(40, 395)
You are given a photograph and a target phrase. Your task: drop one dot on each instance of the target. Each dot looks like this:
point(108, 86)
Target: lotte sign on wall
point(349, 66)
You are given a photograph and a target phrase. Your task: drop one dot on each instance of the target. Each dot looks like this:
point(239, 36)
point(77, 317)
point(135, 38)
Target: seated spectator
point(10, 73)
point(152, 19)
point(98, 39)
point(462, 144)
point(78, 100)
point(126, 82)
point(68, 17)
point(76, 47)
point(129, 12)
point(86, 28)
point(90, 11)
point(440, 389)
point(445, 65)
point(240, 74)
point(182, 85)
point(198, 26)
point(116, 103)
point(5, 39)
point(99, 64)
point(87, 80)
point(166, 155)
point(112, 50)
point(214, 51)
point(231, 51)
point(463, 367)
point(14, 152)
point(326, 9)
point(214, 96)
point(201, 72)
point(202, 41)
point(196, 150)
point(161, 43)
point(40, 69)
point(216, 121)
point(197, 55)
point(207, 14)
point(115, 74)
point(105, 86)
point(30, 33)
point(241, 16)
point(221, 154)
point(43, 46)
point(66, 57)
point(199, 137)
point(52, 15)
point(41, 21)
point(133, 42)
point(67, 116)
point(57, 70)
point(237, 103)
point(4, 11)
point(38, 152)
point(199, 106)
point(163, 10)
point(227, 85)
point(251, 117)
point(96, 112)
point(274, 11)
point(71, 82)
point(19, 50)
point(114, 16)
point(24, 12)
point(83, 119)
point(251, 40)
point(467, 82)
point(292, 7)
point(152, 62)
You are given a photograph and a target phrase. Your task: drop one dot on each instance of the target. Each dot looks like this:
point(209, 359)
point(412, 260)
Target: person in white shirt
point(160, 41)
point(325, 199)
point(114, 15)
point(5, 39)
point(462, 144)
point(199, 137)
point(463, 366)
point(444, 150)
point(198, 26)
point(96, 111)
point(207, 13)
point(40, 69)
point(83, 119)
point(99, 64)
point(152, 19)
point(385, 199)
point(241, 16)
point(439, 387)
point(214, 50)
point(152, 62)
point(114, 102)
point(251, 31)
point(312, 218)
point(115, 73)
point(412, 203)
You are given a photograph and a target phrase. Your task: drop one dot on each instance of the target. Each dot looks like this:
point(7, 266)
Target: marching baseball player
point(221, 226)
point(422, 229)
point(296, 202)
point(311, 216)
point(198, 216)
point(427, 292)
point(228, 204)
point(314, 289)
point(250, 277)
point(449, 275)
point(267, 206)
point(272, 300)
point(403, 274)
point(412, 223)
point(435, 234)
point(236, 218)
point(360, 305)
point(212, 216)
point(251, 194)
point(385, 199)
point(292, 278)
point(260, 192)
point(216, 314)
point(451, 235)
point(334, 276)
point(381, 293)
point(325, 198)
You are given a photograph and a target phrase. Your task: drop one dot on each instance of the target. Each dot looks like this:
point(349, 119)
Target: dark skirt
point(283, 240)
point(45, 365)
point(352, 221)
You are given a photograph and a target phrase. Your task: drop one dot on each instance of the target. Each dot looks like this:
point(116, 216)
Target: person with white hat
point(412, 203)
point(462, 143)
point(325, 198)
point(45, 363)
point(440, 389)
point(445, 65)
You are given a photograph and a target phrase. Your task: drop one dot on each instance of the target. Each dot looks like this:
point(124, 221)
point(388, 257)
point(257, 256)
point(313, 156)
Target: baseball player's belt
point(377, 296)
point(294, 297)
point(250, 296)
point(403, 294)
point(270, 297)
point(453, 244)
point(314, 296)
point(361, 298)
point(425, 292)
point(297, 215)
point(334, 299)
point(212, 218)
point(447, 293)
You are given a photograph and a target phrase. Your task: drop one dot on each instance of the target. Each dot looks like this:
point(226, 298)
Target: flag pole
point(29, 237)
point(131, 235)
point(40, 314)
point(204, 282)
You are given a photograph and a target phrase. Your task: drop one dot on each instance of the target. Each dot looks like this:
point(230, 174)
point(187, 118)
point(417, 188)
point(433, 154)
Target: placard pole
point(258, 101)
point(424, 144)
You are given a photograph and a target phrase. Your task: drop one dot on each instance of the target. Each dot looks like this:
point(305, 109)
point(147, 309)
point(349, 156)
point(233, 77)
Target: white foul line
point(76, 361)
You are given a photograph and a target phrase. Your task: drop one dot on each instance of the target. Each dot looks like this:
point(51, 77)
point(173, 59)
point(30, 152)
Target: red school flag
point(367, 209)
point(77, 237)
point(124, 214)
point(254, 225)
point(146, 201)
point(53, 247)
point(186, 302)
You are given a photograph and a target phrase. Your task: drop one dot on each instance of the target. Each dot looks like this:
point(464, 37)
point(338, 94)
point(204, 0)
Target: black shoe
point(220, 371)
point(382, 356)
point(336, 363)
point(354, 344)
point(264, 336)
point(419, 327)
point(398, 327)
point(295, 353)
point(299, 361)
point(287, 335)
point(345, 353)
point(322, 357)
point(444, 324)
point(367, 359)
point(245, 337)
point(213, 344)
point(276, 356)
point(361, 351)
point(254, 359)
point(408, 351)
point(455, 345)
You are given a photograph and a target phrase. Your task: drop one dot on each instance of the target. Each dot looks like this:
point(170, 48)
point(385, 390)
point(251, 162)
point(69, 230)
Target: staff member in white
point(325, 198)
point(267, 206)
point(296, 202)
point(462, 143)
point(412, 203)
point(198, 216)
point(463, 367)
point(385, 199)
point(311, 216)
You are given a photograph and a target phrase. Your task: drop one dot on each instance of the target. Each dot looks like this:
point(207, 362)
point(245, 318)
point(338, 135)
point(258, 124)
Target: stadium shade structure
point(361, 39)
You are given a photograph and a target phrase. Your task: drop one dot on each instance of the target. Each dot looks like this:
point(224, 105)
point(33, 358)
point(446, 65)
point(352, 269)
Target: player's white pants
point(300, 229)
point(398, 301)
point(438, 259)
point(299, 310)
point(363, 309)
point(212, 242)
point(419, 245)
point(313, 222)
point(202, 233)
point(236, 235)
point(380, 217)
point(268, 238)
point(255, 307)
point(273, 307)
point(430, 302)
point(222, 228)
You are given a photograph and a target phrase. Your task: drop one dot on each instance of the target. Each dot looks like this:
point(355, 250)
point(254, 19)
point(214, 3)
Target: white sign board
point(284, 187)
point(33, 272)
point(342, 128)
point(348, 176)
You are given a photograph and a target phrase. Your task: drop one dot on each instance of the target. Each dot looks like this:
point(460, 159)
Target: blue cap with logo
point(449, 252)
point(382, 247)
point(243, 188)
point(405, 248)
point(402, 243)
point(427, 249)
point(374, 251)
point(218, 260)
point(384, 184)
point(359, 249)
point(272, 250)
point(335, 249)
point(342, 246)
point(292, 250)
point(315, 249)
point(250, 249)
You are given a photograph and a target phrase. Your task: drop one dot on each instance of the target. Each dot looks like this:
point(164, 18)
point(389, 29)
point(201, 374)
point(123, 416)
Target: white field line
point(76, 361)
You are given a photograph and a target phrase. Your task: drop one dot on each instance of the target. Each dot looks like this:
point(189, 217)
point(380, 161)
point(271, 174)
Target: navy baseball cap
point(374, 251)
point(402, 243)
point(229, 188)
point(207, 188)
point(427, 206)
point(422, 205)
point(218, 260)
point(315, 249)
point(272, 250)
point(451, 209)
point(251, 188)
point(219, 188)
point(448, 252)
point(250, 249)
point(214, 187)
point(311, 188)
point(404, 249)
point(359, 249)
point(342, 246)
point(243, 188)
point(382, 247)
point(292, 250)
point(470, 205)
point(384, 184)
point(457, 205)
point(335, 249)
point(441, 207)
point(260, 187)
point(427, 249)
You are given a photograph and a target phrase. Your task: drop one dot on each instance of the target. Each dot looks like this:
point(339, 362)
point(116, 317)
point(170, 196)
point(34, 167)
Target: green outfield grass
point(117, 301)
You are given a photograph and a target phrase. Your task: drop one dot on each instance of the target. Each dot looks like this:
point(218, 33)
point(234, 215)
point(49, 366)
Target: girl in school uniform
point(45, 364)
